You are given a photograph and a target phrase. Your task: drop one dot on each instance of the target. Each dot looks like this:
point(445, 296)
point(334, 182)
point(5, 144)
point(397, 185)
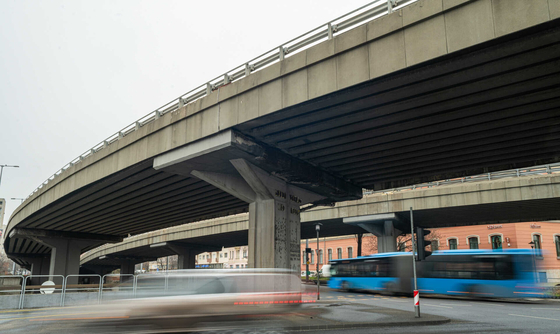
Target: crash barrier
point(116, 286)
point(11, 291)
point(20, 292)
point(49, 293)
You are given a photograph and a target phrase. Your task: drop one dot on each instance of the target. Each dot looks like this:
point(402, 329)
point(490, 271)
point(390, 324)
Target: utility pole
point(318, 228)
point(416, 295)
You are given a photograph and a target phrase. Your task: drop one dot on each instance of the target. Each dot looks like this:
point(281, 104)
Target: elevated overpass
point(502, 200)
point(433, 90)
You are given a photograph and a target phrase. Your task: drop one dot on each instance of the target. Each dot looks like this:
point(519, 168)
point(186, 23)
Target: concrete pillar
point(387, 238)
point(274, 233)
point(186, 259)
point(39, 266)
point(360, 238)
point(65, 258)
point(127, 267)
point(274, 220)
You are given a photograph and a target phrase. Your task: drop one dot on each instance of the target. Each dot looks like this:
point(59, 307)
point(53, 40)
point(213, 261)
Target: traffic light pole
point(416, 294)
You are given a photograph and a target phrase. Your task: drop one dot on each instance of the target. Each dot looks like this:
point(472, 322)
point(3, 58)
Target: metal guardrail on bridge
point(519, 172)
point(322, 33)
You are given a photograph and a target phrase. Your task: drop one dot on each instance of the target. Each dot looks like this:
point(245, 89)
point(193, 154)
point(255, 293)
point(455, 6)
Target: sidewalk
point(335, 315)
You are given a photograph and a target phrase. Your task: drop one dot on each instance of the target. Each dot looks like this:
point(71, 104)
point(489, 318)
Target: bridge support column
point(66, 248)
point(386, 234)
point(274, 221)
point(382, 226)
point(186, 260)
point(127, 267)
point(65, 258)
point(39, 266)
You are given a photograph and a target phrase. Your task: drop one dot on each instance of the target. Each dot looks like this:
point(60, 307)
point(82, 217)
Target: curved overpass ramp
point(434, 90)
point(510, 200)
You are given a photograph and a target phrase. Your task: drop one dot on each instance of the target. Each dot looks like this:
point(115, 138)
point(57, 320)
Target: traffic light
point(422, 243)
point(307, 254)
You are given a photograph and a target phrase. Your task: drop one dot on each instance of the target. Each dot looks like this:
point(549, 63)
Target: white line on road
point(436, 305)
point(545, 308)
point(457, 305)
point(529, 316)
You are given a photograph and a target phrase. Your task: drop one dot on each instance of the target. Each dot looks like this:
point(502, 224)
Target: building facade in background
point(227, 258)
point(542, 236)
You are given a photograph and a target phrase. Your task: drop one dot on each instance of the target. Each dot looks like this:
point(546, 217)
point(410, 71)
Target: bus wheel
point(344, 286)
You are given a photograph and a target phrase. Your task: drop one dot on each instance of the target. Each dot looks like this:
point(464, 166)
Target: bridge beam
point(382, 226)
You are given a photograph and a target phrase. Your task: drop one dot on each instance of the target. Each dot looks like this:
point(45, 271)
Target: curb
point(368, 324)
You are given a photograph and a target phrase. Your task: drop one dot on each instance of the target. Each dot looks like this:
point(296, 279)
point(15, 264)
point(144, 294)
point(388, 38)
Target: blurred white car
point(195, 296)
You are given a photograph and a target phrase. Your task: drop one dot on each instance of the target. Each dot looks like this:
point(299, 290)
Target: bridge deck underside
point(136, 200)
point(491, 107)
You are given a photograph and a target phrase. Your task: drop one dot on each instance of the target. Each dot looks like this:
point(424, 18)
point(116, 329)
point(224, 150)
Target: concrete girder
point(213, 155)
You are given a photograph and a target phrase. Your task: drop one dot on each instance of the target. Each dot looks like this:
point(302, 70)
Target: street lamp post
point(318, 228)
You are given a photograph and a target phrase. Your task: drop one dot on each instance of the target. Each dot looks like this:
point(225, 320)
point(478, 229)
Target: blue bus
point(472, 273)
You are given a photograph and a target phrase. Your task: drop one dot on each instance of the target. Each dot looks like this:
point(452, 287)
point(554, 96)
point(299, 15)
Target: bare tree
point(5, 263)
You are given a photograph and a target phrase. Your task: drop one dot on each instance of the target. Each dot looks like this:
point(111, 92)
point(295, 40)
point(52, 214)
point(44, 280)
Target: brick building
point(543, 235)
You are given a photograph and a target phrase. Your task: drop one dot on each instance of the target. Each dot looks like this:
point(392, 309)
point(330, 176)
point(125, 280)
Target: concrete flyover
point(527, 198)
point(435, 90)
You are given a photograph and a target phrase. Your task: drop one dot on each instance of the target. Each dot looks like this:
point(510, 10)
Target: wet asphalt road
point(468, 316)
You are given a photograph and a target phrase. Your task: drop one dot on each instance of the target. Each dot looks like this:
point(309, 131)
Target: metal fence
point(535, 170)
point(128, 286)
point(322, 33)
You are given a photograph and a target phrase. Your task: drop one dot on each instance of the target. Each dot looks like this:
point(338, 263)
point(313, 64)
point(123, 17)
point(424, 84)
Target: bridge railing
point(519, 172)
point(322, 33)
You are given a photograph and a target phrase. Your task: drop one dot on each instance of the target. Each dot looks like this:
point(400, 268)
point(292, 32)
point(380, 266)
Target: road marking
point(457, 305)
point(436, 306)
point(545, 308)
point(530, 316)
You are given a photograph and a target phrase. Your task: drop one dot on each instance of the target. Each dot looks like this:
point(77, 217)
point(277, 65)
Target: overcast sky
point(74, 72)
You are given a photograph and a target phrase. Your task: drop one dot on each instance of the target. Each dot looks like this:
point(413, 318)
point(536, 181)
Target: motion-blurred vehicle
point(471, 273)
point(195, 296)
